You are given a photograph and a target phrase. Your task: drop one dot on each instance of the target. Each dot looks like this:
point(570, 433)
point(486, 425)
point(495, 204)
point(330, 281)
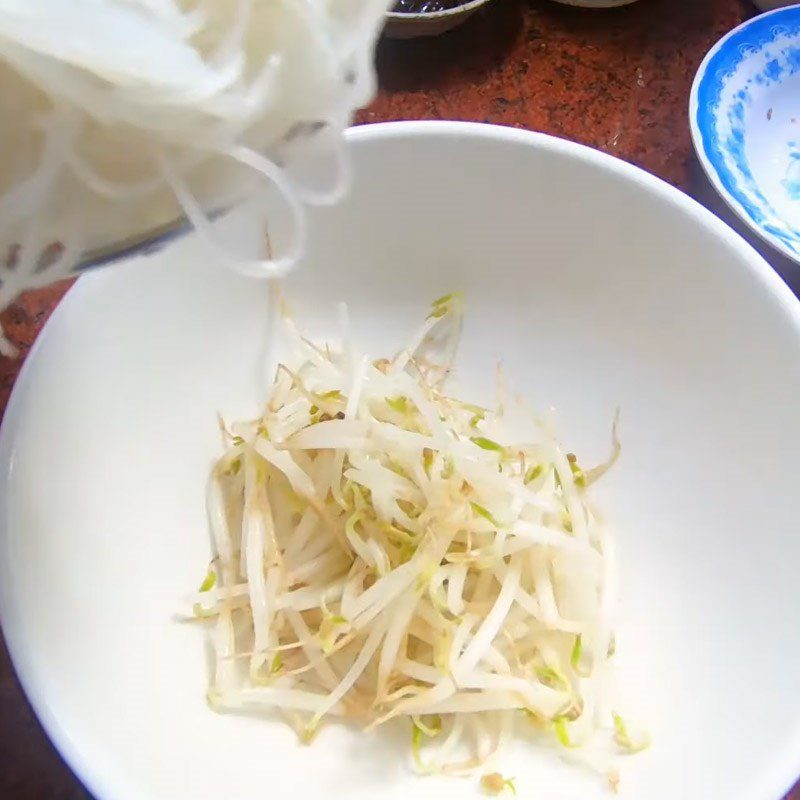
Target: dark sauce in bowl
point(425, 6)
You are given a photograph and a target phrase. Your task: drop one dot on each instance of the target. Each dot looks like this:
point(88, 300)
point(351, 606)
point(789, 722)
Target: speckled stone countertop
point(616, 79)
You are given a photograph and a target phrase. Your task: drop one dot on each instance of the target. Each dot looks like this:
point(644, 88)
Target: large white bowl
point(597, 285)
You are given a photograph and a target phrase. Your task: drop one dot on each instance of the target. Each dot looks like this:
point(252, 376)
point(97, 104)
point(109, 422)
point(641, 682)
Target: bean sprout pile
point(386, 550)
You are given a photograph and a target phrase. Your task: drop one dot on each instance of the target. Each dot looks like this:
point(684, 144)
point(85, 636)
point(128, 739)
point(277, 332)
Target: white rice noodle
point(119, 115)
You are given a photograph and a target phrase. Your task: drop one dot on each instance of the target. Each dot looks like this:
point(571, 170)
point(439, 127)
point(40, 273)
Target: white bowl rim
point(774, 783)
point(697, 139)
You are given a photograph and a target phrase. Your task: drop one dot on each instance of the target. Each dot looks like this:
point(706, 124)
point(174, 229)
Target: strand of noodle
point(115, 190)
point(342, 176)
point(232, 42)
point(30, 248)
point(183, 25)
point(74, 88)
point(60, 130)
point(59, 268)
point(235, 112)
point(255, 268)
point(312, 12)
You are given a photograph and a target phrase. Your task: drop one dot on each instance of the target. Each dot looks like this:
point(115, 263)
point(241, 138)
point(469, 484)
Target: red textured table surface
point(617, 80)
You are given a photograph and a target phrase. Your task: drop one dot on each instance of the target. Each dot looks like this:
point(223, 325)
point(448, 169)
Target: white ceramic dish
point(745, 123)
point(661, 310)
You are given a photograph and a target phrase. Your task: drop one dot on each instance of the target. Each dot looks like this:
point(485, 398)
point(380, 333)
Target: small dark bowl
point(404, 25)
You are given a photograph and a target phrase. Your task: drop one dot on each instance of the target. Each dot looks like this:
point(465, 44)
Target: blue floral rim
point(722, 65)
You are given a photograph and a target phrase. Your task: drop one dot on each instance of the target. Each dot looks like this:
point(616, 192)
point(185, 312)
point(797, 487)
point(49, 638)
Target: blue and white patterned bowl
point(745, 121)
